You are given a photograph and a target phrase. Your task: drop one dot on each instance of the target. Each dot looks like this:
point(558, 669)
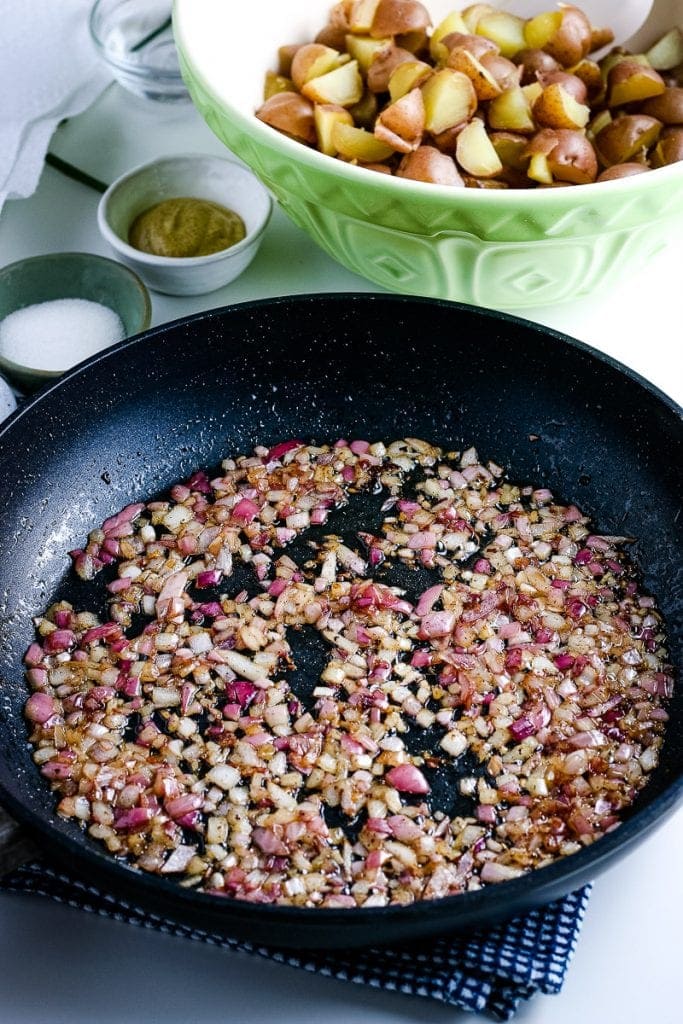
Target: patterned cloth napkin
point(490, 971)
point(49, 70)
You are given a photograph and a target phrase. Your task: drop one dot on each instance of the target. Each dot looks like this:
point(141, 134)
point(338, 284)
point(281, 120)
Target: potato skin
point(669, 149)
point(571, 157)
point(290, 113)
point(622, 171)
point(505, 72)
point(667, 107)
point(570, 83)
point(383, 66)
point(534, 62)
point(622, 139)
point(428, 164)
point(476, 45)
point(397, 17)
point(574, 39)
point(401, 124)
point(629, 81)
point(565, 34)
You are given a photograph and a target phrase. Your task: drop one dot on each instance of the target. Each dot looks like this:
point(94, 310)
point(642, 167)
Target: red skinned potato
point(667, 108)
point(506, 30)
point(383, 66)
point(357, 144)
point(534, 63)
point(566, 34)
point(447, 140)
point(276, 83)
point(364, 49)
point(326, 116)
point(401, 124)
point(408, 75)
point(511, 150)
point(342, 85)
point(475, 152)
point(312, 60)
point(626, 138)
point(561, 155)
point(291, 114)
point(591, 76)
point(449, 100)
point(332, 35)
point(669, 149)
point(417, 42)
point(397, 17)
point(361, 14)
point(629, 81)
point(600, 37)
point(451, 24)
point(429, 165)
point(380, 168)
point(557, 108)
point(622, 171)
point(511, 112)
point(485, 85)
point(473, 14)
point(476, 45)
point(570, 83)
point(364, 112)
point(503, 71)
point(285, 56)
point(473, 182)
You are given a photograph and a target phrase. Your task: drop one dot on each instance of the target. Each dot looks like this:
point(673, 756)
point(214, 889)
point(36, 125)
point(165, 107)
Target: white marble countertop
point(60, 965)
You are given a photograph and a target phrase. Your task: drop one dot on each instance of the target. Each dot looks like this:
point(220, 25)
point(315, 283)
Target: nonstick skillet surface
point(128, 423)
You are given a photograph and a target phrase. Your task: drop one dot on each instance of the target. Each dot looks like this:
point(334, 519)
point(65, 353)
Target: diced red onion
point(406, 778)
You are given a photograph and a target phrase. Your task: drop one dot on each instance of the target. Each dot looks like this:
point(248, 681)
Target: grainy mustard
point(186, 227)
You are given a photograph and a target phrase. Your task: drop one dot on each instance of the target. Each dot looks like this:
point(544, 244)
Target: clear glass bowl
point(135, 39)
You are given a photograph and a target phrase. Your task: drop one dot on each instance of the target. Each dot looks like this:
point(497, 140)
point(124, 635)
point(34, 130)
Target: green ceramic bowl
point(505, 249)
point(70, 275)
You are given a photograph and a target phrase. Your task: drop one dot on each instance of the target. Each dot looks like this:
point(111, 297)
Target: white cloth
point(49, 70)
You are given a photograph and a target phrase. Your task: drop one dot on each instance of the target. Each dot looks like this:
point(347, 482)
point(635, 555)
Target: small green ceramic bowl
point(503, 248)
point(70, 275)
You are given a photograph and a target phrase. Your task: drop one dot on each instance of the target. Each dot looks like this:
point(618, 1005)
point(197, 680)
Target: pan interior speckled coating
point(131, 421)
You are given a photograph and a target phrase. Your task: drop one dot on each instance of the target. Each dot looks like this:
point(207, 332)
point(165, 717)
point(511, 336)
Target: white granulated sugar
point(8, 402)
point(56, 335)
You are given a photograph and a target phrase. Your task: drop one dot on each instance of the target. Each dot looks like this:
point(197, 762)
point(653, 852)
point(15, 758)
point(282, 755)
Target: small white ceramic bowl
point(187, 175)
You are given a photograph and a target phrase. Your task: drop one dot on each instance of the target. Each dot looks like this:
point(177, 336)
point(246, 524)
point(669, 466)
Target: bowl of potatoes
point(464, 153)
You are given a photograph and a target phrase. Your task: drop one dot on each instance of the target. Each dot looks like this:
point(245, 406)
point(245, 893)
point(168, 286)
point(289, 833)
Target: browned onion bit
point(533, 660)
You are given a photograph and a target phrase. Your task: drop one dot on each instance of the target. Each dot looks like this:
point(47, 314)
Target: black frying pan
point(130, 422)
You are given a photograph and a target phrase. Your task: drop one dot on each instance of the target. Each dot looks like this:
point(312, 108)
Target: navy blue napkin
point(489, 971)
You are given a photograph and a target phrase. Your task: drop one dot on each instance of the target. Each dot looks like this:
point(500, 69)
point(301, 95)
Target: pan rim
point(342, 296)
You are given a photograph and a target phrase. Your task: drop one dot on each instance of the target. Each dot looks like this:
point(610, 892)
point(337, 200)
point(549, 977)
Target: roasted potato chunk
point(557, 108)
point(626, 138)
point(561, 155)
point(669, 149)
point(565, 34)
point(667, 107)
point(475, 152)
point(396, 17)
point(402, 124)
point(428, 164)
point(343, 86)
point(449, 100)
point(358, 144)
point(291, 114)
point(511, 111)
point(630, 82)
